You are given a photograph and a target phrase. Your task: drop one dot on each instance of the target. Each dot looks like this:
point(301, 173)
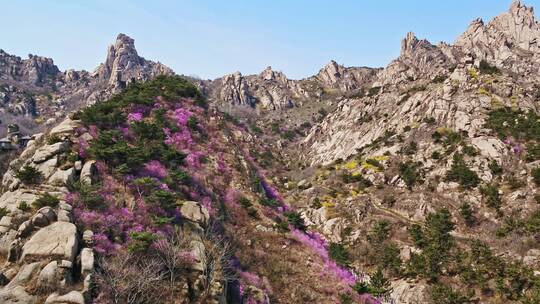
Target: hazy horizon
point(211, 38)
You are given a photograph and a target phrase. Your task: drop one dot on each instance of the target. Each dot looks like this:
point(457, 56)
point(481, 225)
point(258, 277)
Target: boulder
point(87, 261)
point(11, 199)
point(25, 229)
point(25, 274)
point(198, 252)
point(58, 240)
point(48, 277)
point(304, 184)
point(88, 237)
point(5, 241)
point(333, 229)
point(489, 147)
point(5, 221)
point(195, 212)
point(73, 297)
point(40, 220)
point(89, 173)
point(64, 216)
point(78, 166)
point(405, 292)
point(49, 213)
point(48, 167)
point(47, 152)
point(66, 127)
point(532, 257)
point(16, 295)
point(63, 177)
point(65, 206)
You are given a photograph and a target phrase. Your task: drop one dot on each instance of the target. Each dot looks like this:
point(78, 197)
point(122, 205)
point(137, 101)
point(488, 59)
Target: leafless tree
point(215, 261)
point(174, 254)
point(129, 278)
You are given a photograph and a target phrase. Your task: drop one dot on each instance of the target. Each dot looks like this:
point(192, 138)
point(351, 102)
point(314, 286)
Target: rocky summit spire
point(124, 65)
point(512, 30)
point(330, 73)
point(411, 45)
point(409, 42)
point(521, 12)
point(120, 56)
point(516, 5)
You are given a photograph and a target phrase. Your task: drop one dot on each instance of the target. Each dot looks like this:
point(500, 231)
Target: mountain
point(35, 89)
point(413, 183)
point(272, 90)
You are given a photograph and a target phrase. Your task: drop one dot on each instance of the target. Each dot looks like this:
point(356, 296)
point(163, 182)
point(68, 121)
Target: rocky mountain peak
point(517, 6)
point(268, 73)
point(124, 65)
point(123, 47)
point(331, 73)
point(505, 37)
point(35, 70)
point(518, 23)
point(411, 44)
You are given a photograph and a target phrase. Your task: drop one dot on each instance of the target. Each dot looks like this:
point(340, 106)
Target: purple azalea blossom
point(135, 116)
point(155, 168)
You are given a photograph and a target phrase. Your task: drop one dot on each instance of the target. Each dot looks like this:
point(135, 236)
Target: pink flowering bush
point(134, 117)
point(194, 158)
point(155, 169)
point(181, 139)
point(182, 116)
point(83, 148)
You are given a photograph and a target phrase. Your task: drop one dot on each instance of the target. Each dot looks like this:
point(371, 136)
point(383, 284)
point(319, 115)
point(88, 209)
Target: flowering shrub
point(182, 116)
point(134, 117)
point(315, 242)
point(155, 168)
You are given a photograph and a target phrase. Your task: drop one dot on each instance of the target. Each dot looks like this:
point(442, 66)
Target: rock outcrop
point(41, 245)
point(35, 70)
point(336, 76)
point(272, 90)
point(510, 40)
point(123, 66)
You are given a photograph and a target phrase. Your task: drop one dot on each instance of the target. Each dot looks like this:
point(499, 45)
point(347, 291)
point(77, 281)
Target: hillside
point(413, 183)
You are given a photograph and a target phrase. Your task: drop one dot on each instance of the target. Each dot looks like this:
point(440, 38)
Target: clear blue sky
point(209, 38)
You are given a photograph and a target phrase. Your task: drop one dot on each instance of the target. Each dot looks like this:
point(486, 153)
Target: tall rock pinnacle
point(123, 65)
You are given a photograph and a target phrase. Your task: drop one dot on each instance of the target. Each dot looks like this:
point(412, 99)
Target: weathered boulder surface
point(408, 293)
point(88, 173)
point(73, 297)
point(16, 295)
point(47, 152)
point(58, 240)
point(195, 212)
point(66, 127)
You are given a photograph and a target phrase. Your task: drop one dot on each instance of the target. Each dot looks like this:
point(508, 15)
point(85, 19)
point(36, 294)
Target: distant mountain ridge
point(35, 87)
